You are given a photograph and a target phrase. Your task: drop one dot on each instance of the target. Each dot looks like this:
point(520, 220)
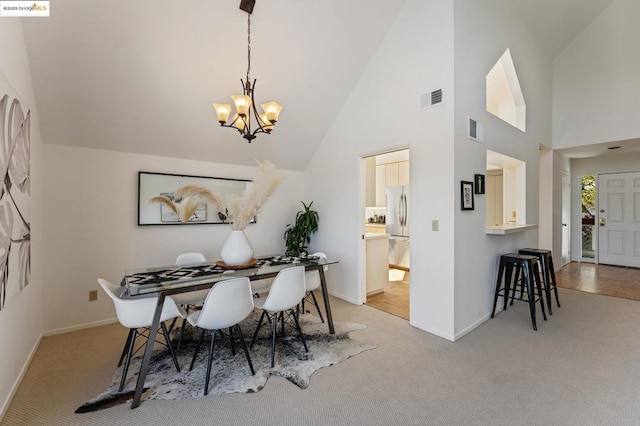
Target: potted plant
point(298, 234)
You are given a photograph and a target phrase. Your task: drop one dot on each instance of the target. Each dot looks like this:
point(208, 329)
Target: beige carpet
point(582, 367)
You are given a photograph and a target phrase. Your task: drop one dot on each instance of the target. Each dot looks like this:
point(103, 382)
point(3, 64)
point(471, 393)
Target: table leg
point(325, 296)
point(144, 367)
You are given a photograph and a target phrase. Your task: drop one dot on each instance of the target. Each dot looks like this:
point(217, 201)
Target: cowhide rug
point(230, 373)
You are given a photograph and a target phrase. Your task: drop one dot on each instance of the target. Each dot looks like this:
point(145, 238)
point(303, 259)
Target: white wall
point(382, 112)
point(629, 162)
point(483, 30)
point(91, 226)
point(21, 320)
point(596, 87)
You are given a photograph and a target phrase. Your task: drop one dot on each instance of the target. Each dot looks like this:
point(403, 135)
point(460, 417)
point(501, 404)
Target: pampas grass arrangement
point(239, 209)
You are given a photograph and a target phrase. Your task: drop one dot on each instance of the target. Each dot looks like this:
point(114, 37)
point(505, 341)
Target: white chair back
point(312, 278)
point(136, 313)
point(190, 259)
point(228, 303)
point(287, 290)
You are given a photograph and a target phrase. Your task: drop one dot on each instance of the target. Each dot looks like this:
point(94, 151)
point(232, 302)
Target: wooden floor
point(616, 281)
point(394, 299)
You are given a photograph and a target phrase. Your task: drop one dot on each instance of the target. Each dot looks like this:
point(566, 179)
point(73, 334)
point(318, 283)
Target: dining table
point(163, 281)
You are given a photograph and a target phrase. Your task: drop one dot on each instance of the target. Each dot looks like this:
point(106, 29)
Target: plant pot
point(237, 250)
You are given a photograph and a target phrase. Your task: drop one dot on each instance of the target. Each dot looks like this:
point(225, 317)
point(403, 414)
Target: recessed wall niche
point(504, 95)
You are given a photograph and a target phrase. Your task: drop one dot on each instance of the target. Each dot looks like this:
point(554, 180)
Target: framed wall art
point(466, 195)
point(154, 184)
point(478, 184)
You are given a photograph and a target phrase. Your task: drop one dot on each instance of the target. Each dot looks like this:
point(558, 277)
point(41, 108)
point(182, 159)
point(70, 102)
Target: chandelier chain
point(248, 45)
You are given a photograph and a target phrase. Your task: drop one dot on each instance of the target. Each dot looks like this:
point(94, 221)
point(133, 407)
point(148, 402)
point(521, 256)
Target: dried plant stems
point(240, 209)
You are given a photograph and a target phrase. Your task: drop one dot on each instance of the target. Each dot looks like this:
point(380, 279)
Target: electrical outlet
point(93, 295)
point(435, 225)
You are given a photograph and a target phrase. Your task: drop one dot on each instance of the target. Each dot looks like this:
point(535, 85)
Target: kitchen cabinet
point(403, 173)
point(377, 267)
point(390, 174)
point(381, 173)
point(494, 194)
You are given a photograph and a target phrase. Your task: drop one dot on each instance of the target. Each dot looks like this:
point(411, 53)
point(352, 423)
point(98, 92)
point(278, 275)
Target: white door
point(566, 219)
point(619, 219)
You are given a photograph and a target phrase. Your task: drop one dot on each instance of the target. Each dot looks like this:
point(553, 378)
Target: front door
point(566, 218)
point(619, 219)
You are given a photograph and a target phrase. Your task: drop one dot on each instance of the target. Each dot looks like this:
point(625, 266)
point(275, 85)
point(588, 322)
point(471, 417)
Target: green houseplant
point(298, 235)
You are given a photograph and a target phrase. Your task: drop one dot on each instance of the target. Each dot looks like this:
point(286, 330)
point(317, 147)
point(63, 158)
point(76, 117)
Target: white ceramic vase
point(237, 250)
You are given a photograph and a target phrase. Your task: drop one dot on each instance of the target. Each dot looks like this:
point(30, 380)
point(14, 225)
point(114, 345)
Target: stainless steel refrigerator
point(397, 220)
point(397, 215)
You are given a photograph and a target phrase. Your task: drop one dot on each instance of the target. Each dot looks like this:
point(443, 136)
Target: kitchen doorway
point(387, 232)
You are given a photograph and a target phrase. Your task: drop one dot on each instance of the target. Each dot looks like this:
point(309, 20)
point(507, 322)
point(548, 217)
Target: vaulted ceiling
point(140, 76)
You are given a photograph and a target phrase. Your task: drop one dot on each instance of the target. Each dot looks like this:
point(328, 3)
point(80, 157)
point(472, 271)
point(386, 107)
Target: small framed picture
point(478, 184)
point(466, 195)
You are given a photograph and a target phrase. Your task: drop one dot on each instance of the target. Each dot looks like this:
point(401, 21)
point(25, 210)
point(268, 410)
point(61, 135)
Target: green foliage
point(298, 235)
point(588, 194)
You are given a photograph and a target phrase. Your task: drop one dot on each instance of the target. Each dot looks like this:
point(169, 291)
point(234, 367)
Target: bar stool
point(548, 272)
point(526, 270)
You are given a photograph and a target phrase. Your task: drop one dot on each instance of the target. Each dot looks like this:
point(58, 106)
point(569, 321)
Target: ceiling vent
point(431, 99)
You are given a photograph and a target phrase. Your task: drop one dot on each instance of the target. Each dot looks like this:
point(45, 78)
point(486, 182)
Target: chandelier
point(245, 104)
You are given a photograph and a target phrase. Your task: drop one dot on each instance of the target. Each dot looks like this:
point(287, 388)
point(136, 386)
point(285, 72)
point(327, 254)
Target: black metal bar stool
point(527, 273)
point(548, 272)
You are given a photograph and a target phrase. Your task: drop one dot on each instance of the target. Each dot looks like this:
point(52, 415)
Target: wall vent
point(431, 99)
point(475, 130)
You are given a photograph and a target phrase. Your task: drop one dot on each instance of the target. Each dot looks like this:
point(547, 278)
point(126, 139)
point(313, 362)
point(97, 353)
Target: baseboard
point(345, 298)
point(433, 331)
point(23, 371)
point(473, 326)
point(78, 327)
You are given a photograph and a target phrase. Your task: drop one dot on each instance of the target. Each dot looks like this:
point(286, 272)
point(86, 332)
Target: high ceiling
point(140, 76)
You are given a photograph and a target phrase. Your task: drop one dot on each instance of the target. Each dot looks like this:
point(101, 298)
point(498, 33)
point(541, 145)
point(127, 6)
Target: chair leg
point(244, 347)
point(498, 282)
point(282, 322)
point(132, 341)
point(184, 323)
point(255, 334)
point(126, 347)
point(233, 344)
point(206, 380)
point(553, 280)
point(536, 277)
point(315, 302)
point(195, 353)
point(170, 346)
point(295, 319)
point(532, 303)
point(274, 326)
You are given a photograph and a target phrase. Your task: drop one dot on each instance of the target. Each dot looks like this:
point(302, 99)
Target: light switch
point(435, 225)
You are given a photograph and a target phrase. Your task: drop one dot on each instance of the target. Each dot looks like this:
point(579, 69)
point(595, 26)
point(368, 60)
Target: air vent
point(475, 130)
point(431, 99)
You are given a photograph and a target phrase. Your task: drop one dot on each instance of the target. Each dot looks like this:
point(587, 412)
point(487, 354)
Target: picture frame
point(478, 184)
point(151, 184)
point(466, 195)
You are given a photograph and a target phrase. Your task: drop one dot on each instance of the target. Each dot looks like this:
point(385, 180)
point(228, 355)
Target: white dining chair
point(227, 304)
point(312, 282)
point(192, 297)
point(285, 294)
point(136, 314)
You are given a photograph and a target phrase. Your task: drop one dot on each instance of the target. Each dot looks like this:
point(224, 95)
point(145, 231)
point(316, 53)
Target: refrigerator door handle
point(402, 209)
